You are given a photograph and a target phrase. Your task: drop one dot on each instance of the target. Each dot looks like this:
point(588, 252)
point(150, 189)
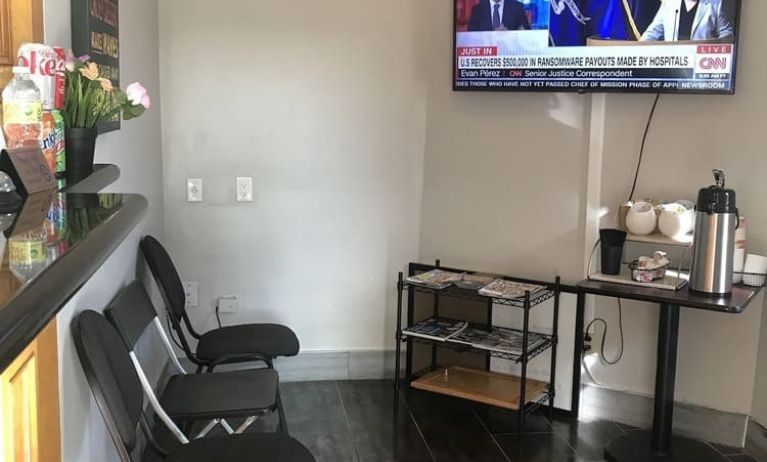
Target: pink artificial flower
point(69, 60)
point(69, 63)
point(84, 58)
point(137, 94)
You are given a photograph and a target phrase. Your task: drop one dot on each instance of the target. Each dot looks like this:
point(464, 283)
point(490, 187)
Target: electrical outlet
point(227, 304)
point(194, 190)
point(191, 293)
point(244, 185)
point(542, 329)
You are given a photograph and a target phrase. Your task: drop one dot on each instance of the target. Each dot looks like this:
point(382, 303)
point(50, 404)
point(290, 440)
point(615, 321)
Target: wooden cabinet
point(29, 388)
point(20, 21)
point(29, 403)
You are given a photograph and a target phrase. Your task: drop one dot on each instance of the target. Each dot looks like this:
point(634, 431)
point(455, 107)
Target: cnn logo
point(713, 64)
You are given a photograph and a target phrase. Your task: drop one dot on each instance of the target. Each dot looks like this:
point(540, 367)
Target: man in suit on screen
point(689, 20)
point(498, 15)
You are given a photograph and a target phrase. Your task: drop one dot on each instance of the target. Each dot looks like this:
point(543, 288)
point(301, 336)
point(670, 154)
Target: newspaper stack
point(508, 290)
point(498, 339)
point(436, 330)
point(435, 279)
point(474, 281)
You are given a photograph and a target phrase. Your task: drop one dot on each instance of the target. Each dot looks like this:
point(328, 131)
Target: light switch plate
point(191, 293)
point(244, 189)
point(194, 190)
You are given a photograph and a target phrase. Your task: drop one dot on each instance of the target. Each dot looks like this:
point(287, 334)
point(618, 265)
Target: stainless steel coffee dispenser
point(715, 224)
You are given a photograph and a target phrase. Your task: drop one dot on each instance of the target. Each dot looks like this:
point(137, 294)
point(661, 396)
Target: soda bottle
point(22, 110)
point(52, 142)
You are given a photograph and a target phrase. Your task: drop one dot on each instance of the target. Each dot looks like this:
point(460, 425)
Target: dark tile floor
point(353, 421)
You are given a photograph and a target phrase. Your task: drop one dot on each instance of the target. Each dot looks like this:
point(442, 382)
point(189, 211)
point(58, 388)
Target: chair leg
point(281, 413)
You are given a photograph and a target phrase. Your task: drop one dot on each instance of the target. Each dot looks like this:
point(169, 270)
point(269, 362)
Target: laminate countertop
point(49, 248)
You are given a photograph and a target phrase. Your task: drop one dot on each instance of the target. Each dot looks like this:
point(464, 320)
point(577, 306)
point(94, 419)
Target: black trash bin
point(612, 241)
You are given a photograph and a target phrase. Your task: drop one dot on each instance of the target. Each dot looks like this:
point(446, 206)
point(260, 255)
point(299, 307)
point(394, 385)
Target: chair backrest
point(111, 376)
point(132, 312)
point(171, 287)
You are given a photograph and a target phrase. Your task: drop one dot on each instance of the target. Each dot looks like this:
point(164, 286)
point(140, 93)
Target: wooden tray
point(673, 280)
point(501, 390)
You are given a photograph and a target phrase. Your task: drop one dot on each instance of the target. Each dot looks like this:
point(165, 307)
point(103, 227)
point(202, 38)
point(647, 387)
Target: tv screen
point(653, 46)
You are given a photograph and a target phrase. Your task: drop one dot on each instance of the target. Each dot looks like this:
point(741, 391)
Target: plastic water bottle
point(22, 110)
point(28, 254)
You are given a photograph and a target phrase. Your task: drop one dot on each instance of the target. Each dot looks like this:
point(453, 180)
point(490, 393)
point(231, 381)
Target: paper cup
point(641, 219)
point(738, 265)
point(756, 270)
point(676, 221)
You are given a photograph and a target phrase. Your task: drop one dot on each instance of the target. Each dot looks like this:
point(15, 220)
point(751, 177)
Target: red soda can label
point(46, 67)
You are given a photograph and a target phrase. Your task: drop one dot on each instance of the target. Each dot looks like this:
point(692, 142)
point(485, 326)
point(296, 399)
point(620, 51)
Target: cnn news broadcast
point(656, 46)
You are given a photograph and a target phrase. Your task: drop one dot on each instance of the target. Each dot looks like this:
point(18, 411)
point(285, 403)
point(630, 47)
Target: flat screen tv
point(642, 46)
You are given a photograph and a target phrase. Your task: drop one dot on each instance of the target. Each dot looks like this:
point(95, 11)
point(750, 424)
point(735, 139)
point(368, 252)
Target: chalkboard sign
point(95, 32)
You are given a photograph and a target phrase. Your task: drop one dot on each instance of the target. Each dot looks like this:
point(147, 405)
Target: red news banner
point(478, 51)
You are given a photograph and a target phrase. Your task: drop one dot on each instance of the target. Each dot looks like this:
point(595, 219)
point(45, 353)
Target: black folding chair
point(188, 398)
point(117, 389)
point(225, 345)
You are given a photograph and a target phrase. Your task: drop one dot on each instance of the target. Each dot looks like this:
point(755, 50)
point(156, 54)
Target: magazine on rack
point(436, 330)
point(474, 281)
point(435, 279)
point(509, 290)
point(499, 339)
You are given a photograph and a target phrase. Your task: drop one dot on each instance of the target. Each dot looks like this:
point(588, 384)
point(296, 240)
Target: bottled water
point(22, 110)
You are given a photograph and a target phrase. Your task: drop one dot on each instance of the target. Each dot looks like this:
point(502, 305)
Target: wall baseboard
point(313, 366)
point(692, 421)
point(337, 365)
point(756, 441)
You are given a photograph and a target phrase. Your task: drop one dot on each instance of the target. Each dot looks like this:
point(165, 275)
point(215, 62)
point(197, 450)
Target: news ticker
point(682, 67)
point(600, 85)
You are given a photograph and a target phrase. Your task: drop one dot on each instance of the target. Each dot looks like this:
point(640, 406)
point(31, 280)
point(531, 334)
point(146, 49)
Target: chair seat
point(223, 394)
point(270, 340)
point(260, 447)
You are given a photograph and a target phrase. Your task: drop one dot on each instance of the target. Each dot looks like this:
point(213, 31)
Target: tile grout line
point(418, 427)
point(346, 417)
point(717, 450)
point(561, 437)
point(569, 445)
point(492, 436)
point(623, 432)
point(721, 453)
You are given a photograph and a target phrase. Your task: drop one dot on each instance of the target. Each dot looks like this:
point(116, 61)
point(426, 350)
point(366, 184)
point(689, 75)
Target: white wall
point(136, 149)
point(323, 104)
